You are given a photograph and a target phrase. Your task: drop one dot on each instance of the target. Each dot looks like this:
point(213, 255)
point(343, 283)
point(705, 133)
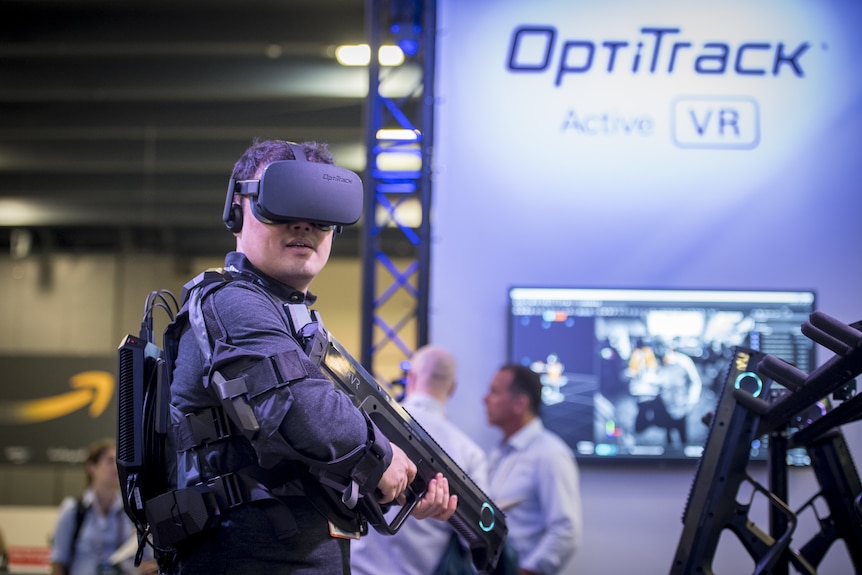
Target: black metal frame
point(742, 415)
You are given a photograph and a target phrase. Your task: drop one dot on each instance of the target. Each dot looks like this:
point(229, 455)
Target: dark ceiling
point(120, 120)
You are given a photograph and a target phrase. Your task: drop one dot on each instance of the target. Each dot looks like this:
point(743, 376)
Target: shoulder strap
point(192, 295)
point(202, 313)
point(80, 513)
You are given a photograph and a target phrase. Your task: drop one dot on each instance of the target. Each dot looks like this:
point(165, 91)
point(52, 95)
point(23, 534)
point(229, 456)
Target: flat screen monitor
point(629, 374)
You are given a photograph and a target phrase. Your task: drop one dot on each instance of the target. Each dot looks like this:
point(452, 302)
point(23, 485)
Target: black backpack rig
point(163, 516)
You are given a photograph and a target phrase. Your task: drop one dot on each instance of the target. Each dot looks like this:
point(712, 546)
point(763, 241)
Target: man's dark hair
point(265, 152)
point(525, 381)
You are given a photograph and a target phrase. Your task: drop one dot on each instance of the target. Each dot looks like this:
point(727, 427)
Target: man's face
point(499, 401)
point(292, 253)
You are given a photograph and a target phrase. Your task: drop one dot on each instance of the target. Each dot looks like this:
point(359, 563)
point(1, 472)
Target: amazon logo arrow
point(93, 388)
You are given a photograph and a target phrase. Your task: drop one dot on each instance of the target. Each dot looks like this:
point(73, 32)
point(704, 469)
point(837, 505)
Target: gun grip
point(374, 514)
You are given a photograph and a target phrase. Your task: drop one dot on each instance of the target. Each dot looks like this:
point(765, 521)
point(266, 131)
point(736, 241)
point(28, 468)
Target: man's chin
point(298, 279)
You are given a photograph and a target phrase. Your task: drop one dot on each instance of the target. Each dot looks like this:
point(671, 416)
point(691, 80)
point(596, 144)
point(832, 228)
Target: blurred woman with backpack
point(92, 527)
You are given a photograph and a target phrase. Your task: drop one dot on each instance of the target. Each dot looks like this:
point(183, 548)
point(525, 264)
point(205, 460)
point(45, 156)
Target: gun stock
point(477, 519)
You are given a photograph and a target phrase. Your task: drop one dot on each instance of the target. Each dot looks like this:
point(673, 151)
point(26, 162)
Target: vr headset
point(298, 190)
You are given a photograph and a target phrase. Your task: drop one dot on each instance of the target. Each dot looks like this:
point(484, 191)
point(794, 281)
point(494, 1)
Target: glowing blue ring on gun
point(483, 524)
point(743, 376)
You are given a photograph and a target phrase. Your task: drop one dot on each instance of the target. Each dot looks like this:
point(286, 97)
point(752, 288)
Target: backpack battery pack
point(140, 428)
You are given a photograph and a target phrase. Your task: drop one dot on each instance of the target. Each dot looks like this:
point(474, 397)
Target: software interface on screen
point(632, 373)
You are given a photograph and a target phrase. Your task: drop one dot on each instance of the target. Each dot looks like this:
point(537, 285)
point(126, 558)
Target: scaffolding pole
point(399, 124)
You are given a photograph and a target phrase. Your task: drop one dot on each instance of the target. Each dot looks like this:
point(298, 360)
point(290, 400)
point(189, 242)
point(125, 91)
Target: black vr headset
point(298, 190)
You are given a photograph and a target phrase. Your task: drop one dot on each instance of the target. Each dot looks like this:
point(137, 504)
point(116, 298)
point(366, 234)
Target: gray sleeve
point(293, 401)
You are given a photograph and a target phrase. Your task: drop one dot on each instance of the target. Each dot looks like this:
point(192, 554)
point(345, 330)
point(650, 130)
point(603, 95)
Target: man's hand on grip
point(400, 473)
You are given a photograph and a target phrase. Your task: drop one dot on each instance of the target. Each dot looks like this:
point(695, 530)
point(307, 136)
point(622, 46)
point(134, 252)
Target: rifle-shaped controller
point(477, 519)
point(713, 504)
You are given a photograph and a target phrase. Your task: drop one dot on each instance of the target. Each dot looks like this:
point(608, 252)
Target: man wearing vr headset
point(257, 422)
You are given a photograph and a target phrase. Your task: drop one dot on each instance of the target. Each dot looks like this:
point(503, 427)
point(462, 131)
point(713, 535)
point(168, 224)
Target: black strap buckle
point(206, 426)
point(228, 490)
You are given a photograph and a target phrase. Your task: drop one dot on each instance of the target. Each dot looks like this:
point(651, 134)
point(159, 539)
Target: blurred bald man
point(418, 546)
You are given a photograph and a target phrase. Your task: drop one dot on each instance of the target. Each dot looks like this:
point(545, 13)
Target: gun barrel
point(477, 519)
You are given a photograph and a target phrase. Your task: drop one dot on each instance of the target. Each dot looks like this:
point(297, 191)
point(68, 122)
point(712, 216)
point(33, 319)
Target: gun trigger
point(350, 495)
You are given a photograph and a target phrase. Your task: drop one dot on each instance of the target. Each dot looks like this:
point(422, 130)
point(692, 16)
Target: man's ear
point(520, 403)
point(237, 214)
point(409, 380)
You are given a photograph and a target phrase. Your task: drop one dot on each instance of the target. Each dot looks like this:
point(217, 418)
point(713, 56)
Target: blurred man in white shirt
point(533, 475)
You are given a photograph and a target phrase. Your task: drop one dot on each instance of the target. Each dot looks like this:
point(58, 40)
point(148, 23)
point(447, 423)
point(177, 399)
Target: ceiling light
point(360, 55)
point(390, 56)
point(399, 159)
point(397, 134)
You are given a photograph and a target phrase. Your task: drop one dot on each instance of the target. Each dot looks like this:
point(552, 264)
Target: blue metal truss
point(396, 246)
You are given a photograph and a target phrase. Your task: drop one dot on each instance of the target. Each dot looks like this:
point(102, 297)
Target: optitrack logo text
point(657, 50)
